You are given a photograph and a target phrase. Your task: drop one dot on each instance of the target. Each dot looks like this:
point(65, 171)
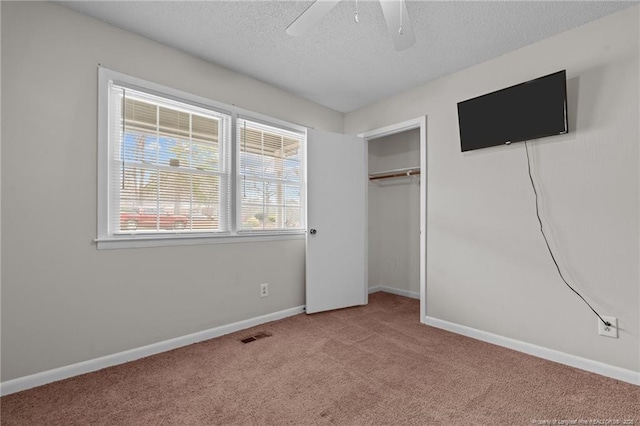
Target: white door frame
point(416, 123)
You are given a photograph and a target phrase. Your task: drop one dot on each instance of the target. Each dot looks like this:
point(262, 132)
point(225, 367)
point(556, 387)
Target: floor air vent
point(257, 336)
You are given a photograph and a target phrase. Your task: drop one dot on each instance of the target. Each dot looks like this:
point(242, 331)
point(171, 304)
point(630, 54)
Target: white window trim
point(106, 241)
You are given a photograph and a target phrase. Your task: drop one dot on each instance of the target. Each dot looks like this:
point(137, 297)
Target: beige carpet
point(371, 365)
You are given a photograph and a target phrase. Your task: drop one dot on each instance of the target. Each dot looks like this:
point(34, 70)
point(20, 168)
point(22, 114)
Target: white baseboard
point(39, 379)
point(393, 290)
point(597, 367)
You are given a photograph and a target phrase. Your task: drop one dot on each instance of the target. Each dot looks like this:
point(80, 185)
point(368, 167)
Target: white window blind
point(271, 178)
point(169, 165)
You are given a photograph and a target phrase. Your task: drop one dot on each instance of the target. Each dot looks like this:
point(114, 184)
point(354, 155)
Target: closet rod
point(395, 174)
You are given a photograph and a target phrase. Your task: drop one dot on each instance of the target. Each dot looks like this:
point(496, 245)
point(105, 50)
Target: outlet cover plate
point(264, 290)
point(611, 331)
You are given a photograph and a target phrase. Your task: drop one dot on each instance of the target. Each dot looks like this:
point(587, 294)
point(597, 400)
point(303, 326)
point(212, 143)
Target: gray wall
point(63, 301)
point(487, 265)
point(394, 214)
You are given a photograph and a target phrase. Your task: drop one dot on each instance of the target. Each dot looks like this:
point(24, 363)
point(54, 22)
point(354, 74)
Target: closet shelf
point(396, 173)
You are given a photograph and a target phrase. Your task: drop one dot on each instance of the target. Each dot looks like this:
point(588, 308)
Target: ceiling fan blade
point(391, 10)
point(310, 16)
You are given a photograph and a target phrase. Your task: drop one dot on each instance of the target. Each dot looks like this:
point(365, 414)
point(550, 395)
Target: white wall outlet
point(608, 330)
point(264, 290)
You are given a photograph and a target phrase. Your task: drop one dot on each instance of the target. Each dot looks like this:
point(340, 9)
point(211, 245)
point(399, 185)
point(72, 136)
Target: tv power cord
point(526, 147)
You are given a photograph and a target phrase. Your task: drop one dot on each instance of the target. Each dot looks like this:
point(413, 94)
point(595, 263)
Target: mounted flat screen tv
point(530, 110)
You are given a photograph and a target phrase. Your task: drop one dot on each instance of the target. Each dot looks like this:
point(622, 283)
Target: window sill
point(147, 240)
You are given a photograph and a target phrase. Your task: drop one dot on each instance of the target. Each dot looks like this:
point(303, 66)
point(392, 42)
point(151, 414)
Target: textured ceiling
point(338, 63)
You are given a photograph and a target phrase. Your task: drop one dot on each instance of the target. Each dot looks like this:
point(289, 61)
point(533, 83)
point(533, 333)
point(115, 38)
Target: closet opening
point(394, 213)
point(396, 210)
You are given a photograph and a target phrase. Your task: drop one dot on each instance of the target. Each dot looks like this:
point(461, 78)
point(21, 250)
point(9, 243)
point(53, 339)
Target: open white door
point(336, 273)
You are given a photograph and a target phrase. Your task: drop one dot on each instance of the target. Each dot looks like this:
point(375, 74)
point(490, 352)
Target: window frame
point(107, 240)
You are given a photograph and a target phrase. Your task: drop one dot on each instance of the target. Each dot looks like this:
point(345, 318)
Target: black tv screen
point(529, 110)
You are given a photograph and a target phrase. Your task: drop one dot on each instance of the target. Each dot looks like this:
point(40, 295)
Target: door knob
point(312, 231)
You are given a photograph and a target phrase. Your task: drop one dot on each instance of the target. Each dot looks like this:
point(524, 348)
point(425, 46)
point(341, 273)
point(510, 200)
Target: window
point(171, 168)
point(271, 181)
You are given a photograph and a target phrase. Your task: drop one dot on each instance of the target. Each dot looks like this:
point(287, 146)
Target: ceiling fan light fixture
point(396, 18)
